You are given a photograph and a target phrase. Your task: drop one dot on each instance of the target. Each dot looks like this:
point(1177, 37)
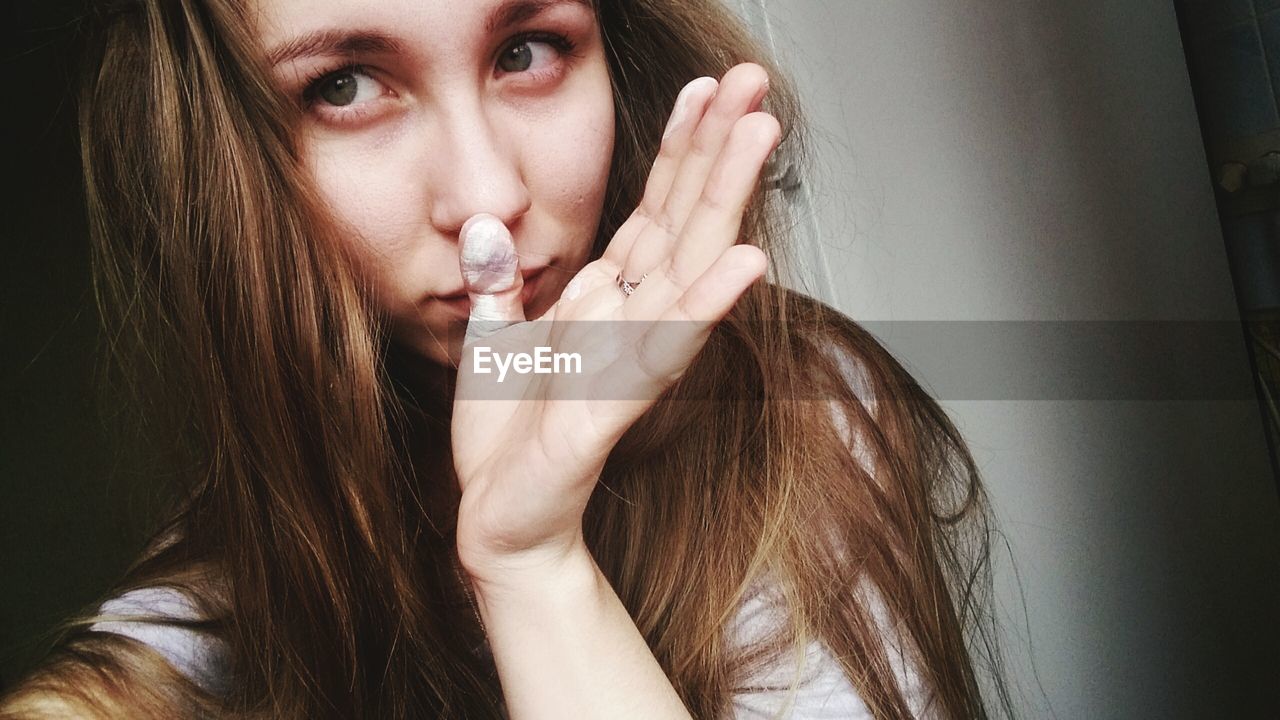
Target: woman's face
point(419, 114)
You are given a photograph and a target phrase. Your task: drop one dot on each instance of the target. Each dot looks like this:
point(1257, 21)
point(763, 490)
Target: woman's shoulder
point(141, 655)
point(821, 688)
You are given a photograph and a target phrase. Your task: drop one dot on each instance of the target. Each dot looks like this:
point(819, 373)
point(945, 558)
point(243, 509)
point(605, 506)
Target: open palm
point(529, 450)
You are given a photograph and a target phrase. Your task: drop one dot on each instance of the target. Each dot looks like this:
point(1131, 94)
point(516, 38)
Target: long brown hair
point(314, 511)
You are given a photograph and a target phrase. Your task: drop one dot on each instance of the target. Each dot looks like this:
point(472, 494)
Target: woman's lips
point(461, 304)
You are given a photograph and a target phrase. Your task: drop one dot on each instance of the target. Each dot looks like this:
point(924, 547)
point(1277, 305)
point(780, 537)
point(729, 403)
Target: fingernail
point(680, 112)
point(759, 98)
point(488, 256)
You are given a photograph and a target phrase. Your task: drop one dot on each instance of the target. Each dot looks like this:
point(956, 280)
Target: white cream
point(680, 112)
point(485, 308)
point(573, 289)
point(488, 257)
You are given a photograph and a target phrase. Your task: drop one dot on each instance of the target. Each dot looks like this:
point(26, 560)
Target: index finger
point(690, 106)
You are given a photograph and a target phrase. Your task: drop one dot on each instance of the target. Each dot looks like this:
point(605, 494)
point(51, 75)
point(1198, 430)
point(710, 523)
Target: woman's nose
point(476, 170)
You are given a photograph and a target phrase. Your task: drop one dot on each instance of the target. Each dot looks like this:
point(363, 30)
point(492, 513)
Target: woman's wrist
point(549, 568)
point(565, 645)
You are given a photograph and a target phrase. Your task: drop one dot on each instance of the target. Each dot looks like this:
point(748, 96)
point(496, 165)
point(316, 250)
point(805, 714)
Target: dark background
point(70, 510)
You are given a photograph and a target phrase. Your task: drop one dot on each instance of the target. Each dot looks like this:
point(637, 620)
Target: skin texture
point(446, 174)
point(439, 131)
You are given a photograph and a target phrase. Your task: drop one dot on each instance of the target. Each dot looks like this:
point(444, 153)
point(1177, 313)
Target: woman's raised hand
point(528, 467)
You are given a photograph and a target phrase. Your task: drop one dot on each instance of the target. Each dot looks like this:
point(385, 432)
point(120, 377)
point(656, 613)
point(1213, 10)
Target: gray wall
point(1041, 161)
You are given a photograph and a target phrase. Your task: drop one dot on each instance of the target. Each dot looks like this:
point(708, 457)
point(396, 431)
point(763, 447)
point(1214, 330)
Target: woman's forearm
point(565, 647)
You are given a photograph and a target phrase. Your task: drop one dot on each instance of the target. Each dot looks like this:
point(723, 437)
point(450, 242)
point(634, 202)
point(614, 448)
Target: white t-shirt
point(824, 691)
point(198, 655)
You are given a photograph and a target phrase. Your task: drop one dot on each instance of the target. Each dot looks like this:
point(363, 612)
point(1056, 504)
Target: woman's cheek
point(368, 195)
point(573, 165)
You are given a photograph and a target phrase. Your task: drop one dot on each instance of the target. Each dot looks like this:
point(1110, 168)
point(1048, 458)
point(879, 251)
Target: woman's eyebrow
point(517, 11)
point(332, 42)
point(345, 42)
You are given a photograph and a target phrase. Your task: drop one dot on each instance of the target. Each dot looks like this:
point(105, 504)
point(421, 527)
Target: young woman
point(750, 510)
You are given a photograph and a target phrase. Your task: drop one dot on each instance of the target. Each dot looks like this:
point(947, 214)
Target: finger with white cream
point(491, 275)
point(702, 89)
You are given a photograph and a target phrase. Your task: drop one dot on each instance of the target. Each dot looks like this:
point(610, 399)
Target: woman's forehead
point(293, 29)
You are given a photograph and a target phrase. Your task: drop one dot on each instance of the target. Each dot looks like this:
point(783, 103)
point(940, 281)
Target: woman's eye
point(345, 87)
point(528, 54)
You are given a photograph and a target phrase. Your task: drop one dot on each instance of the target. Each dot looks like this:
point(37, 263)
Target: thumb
point(491, 275)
